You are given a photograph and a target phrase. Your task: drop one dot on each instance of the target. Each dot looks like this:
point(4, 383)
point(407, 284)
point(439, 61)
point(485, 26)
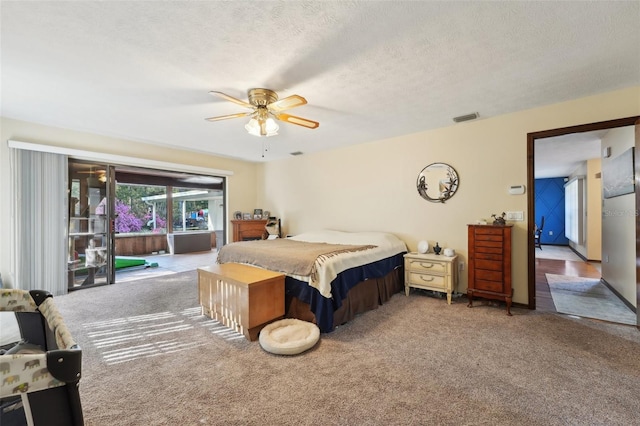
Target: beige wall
point(241, 185)
point(581, 171)
point(373, 186)
point(591, 246)
point(618, 223)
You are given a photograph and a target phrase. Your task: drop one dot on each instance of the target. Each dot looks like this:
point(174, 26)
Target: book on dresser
point(489, 261)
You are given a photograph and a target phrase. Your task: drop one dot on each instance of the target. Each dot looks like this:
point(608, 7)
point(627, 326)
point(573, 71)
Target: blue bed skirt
point(322, 307)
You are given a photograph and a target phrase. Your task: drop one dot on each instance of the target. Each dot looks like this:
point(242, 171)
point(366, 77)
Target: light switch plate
point(515, 216)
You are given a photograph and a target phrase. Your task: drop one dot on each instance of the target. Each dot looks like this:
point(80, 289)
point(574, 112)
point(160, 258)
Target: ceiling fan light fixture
point(271, 127)
point(262, 126)
point(253, 127)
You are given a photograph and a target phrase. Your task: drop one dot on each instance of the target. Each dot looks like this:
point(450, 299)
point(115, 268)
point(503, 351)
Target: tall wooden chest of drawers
point(490, 263)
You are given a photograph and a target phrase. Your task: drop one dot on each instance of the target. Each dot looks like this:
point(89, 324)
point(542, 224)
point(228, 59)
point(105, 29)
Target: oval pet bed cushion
point(289, 336)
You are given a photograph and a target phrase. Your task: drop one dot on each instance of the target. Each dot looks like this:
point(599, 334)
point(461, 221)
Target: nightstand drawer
point(417, 279)
point(430, 266)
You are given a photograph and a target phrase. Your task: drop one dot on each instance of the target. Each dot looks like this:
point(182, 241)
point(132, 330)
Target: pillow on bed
point(380, 239)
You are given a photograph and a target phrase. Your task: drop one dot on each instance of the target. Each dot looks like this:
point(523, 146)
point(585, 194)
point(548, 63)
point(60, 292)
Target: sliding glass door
point(90, 259)
point(120, 217)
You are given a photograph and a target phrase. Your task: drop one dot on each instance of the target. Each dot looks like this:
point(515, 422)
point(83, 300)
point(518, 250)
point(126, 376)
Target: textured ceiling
point(369, 70)
point(560, 156)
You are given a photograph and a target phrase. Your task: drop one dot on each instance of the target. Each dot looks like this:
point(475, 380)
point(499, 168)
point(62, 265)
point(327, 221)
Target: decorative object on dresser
point(490, 263)
point(437, 182)
point(437, 249)
point(499, 220)
point(423, 247)
point(430, 272)
point(245, 230)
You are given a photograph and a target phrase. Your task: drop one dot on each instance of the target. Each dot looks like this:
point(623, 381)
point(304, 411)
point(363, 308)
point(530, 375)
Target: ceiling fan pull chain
point(265, 147)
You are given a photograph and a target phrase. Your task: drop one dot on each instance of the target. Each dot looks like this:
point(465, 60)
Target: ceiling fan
point(265, 107)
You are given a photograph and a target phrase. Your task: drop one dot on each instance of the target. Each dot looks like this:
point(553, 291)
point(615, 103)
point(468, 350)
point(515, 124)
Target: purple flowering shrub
point(126, 221)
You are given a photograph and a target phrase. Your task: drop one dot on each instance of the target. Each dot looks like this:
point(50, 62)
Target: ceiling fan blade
point(297, 120)
point(231, 99)
point(226, 117)
point(287, 103)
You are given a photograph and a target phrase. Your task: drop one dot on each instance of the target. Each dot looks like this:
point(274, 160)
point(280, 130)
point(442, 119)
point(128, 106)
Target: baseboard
point(625, 301)
point(578, 254)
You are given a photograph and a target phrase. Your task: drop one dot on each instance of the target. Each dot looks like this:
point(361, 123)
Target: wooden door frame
point(531, 138)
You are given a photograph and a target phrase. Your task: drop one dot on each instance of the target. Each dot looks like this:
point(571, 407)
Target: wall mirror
point(437, 182)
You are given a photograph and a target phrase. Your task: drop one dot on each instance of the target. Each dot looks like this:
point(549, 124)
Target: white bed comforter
point(387, 245)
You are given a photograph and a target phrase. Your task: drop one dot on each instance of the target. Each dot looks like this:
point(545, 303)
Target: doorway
point(119, 216)
point(531, 139)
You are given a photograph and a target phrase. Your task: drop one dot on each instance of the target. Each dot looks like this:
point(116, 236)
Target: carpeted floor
point(589, 298)
point(149, 358)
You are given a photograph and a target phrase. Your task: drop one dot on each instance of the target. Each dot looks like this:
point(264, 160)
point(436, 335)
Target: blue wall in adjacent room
point(549, 202)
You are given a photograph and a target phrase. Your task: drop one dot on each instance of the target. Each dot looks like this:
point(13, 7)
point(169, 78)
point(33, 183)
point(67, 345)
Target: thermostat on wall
point(516, 189)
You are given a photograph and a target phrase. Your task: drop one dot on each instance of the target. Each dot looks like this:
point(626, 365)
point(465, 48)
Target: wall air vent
point(467, 117)
point(296, 153)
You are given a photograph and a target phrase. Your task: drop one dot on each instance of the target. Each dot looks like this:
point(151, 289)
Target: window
point(573, 209)
point(191, 209)
point(140, 208)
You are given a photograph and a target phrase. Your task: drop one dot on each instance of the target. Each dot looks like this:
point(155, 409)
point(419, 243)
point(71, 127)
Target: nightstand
point(430, 272)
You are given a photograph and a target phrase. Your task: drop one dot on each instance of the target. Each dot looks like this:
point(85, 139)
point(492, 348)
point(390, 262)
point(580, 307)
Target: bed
point(331, 276)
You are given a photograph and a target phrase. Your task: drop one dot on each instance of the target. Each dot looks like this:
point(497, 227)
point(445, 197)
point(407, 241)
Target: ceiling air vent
point(296, 153)
point(467, 117)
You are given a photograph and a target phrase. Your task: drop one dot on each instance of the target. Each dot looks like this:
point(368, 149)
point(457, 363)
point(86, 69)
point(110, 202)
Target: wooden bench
point(242, 297)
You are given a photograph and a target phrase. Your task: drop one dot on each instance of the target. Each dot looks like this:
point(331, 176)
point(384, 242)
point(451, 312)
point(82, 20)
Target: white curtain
point(40, 221)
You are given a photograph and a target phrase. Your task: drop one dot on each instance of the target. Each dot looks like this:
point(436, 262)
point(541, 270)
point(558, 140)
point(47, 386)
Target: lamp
point(261, 124)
